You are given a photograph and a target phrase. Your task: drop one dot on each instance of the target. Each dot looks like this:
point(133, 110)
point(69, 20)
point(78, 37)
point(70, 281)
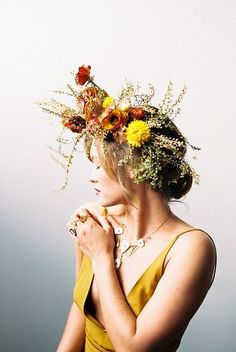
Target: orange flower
point(114, 120)
point(137, 113)
point(73, 122)
point(82, 75)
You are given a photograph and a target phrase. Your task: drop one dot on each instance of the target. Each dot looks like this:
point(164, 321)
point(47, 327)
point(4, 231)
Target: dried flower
point(85, 96)
point(73, 122)
point(131, 119)
point(136, 113)
point(82, 75)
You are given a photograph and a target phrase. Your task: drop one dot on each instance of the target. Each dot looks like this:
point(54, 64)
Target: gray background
point(191, 42)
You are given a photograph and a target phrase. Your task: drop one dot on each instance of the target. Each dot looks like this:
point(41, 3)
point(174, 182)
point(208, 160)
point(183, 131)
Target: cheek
point(110, 186)
point(106, 181)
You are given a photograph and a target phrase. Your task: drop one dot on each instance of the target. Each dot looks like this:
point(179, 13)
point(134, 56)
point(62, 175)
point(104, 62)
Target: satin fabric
point(96, 337)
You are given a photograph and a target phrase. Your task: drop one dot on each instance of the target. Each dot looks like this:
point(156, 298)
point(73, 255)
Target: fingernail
point(104, 211)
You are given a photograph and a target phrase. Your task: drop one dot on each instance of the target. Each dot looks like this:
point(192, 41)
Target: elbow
point(159, 345)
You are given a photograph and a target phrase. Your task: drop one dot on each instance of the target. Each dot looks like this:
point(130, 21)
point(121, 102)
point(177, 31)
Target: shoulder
point(194, 251)
point(196, 241)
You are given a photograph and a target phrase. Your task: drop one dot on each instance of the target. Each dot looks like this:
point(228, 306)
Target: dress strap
point(189, 230)
point(172, 242)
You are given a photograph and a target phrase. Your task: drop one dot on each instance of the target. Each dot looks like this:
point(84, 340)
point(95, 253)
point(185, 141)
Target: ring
point(83, 218)
point(73, 232)
point(74, 223)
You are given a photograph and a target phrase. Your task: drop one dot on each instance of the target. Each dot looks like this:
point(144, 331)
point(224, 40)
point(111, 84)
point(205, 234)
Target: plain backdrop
point(190, 42)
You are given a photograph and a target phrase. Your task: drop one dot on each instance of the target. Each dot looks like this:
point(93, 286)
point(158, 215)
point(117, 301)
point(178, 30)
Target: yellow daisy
point(137, 133)
point(108, 101)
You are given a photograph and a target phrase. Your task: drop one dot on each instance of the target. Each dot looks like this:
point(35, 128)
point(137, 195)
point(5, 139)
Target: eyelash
point(97, 167)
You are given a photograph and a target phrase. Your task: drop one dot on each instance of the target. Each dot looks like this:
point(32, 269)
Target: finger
point(104, 212)
point(85, 217)
point(75, 239)
point(79, 211)
point(101, 219)
point(73, 231)
point(94, 210)
point(105, 223)
point(75, 216)
point(75, 228)
point(72, 223)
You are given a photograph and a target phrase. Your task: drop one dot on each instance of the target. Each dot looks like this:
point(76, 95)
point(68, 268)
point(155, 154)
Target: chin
point(106, 204)
point(109, 202)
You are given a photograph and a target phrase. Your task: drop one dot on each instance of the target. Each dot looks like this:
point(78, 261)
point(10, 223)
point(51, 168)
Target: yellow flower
point(108, 101)
point(137, 133)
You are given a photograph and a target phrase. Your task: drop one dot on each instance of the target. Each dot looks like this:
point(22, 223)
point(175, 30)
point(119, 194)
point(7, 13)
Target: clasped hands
point(93, 233)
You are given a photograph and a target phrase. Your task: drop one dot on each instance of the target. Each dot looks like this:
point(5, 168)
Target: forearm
point(73, 336)
point(120, 321)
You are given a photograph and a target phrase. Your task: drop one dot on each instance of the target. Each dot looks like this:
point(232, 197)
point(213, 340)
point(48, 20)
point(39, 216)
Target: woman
point(141, 272)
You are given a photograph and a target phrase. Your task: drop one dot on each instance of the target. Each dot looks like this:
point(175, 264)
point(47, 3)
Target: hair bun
point(181, 187)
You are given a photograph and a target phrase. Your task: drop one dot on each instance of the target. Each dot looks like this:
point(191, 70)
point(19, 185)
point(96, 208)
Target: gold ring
point(74, 223)
point(83, 218)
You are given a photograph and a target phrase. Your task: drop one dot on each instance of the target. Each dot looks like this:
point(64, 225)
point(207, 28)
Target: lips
point(97, 190)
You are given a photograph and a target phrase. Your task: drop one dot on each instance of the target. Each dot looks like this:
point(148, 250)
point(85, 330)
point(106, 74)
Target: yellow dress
point(96, 337)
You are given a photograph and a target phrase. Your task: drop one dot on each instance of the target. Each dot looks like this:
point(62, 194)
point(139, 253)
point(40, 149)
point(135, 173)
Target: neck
point(149, 212)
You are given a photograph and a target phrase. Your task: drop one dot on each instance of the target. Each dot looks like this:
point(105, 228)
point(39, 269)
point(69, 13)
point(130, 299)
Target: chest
point(134, 270)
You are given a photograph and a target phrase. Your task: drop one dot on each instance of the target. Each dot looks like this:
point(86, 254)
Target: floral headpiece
point(129, 119)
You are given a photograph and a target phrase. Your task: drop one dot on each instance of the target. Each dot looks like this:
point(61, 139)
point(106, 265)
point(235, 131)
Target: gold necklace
point(128, 248)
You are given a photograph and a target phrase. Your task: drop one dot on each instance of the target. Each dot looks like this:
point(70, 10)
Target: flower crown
point(129, 119)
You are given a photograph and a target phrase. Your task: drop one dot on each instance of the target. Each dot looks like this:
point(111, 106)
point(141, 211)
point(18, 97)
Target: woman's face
point(108, 191)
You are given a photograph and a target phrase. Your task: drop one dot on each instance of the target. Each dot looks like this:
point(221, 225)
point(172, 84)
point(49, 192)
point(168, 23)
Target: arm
point(73, 336)
point(177, 297)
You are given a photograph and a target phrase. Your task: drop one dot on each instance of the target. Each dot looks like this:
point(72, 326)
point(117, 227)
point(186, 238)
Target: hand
point(93, 208)
point(94, 236)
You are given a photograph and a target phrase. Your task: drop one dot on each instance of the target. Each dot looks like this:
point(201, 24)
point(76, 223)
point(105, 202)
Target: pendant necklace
point(128, 248)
